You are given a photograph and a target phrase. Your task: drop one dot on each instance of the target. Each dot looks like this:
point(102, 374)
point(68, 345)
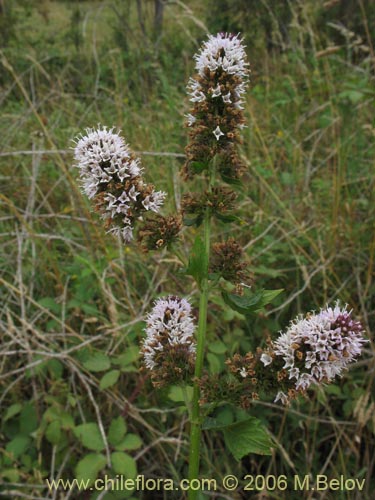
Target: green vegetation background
point(73, 300)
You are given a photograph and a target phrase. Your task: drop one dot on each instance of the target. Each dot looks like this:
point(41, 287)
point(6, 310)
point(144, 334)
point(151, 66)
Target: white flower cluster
point(100, 155)
point(319, 347)
point(220, 57)
point(223, 51)
point(108, 167)
point(170, 322)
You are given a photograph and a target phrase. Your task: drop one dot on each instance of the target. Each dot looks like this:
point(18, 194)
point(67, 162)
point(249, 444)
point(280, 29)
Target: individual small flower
point(266, 359)
point(319, 347)
point(227, 98)
point(190, 119)
point(216, 92)
point(217, 133)
point(154, 201)
point(111, 178)
point(281, 396)
point(169, 347)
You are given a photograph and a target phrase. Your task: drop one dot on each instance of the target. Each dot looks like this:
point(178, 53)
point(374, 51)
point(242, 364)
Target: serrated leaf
point(124, 464)
point(117, 431)
point(109, 379)
point(247, 436)
point(250, 303)
point(97, 362)
point(197, 261)
point(90, 436)
point(90, 466)
point(130, 442)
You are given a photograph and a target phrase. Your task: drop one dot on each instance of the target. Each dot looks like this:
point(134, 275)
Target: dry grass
point(68, 290)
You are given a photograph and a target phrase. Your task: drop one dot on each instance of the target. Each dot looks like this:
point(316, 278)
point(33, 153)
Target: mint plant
point(313, 350)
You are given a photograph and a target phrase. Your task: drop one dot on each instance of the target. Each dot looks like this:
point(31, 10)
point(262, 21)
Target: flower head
point(319, 347)
point(102, 155)
point(111, 178)
point(216, 93)
point(169, 347)
point(158, 232)
point(223, 52)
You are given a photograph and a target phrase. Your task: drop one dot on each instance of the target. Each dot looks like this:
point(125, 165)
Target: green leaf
point(178, 394)
point(227, 218)
point(109, 379)
point(90, 436)
point(12, 475)
point(198, 166)
point(224, 416)
point(250, 303)
point(65, 419)
point(124, 464)
point(247, 436)
point(28, 419)
point(354, 96)
point(196, 266)
point(56, 368)
point(53, 432)
point(89, 467)
point(117, 431)
point(217, 347)
point(130, 442)
point(12, 411)
point(18, 445)
point(50, 304)
point(231, 180)
point(214, 362)
point(131, 355)
point(266, 271)
point(97, 362)
point(193, 220)
point(269, 295)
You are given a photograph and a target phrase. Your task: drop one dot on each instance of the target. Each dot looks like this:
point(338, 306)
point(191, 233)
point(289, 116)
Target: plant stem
point(196, 424)
point(195, 433)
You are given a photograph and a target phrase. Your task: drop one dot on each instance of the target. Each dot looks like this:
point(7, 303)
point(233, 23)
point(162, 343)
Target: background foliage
point(73, 300)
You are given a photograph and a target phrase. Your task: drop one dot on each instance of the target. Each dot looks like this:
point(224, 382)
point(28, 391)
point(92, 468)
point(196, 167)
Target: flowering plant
point(313, 350)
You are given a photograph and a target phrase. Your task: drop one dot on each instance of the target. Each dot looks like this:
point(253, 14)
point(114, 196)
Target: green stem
point(195, 433)
point(195, 421)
